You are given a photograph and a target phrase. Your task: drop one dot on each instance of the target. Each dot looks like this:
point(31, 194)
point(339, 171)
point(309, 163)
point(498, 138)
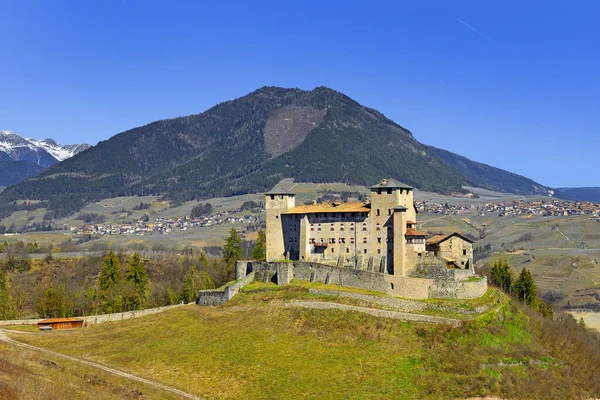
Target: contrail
point(476, 31)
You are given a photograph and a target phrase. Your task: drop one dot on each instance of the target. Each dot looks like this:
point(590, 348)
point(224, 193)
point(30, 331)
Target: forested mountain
point(490, 177)
point(579, 194)
point(241, 146)
point(12, 172)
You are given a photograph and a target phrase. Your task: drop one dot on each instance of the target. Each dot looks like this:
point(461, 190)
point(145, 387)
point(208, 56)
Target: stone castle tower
point(392, 212)
point(277, 202)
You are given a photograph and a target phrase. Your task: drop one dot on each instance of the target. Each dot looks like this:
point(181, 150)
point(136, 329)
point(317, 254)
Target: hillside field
point(253, 348)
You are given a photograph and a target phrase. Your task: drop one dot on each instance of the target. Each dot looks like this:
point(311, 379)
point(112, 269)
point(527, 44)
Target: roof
point(441, 238)
point(330, 208)
point(279, 189)
point(414, 232)
point(59, 320)
point(391, 184)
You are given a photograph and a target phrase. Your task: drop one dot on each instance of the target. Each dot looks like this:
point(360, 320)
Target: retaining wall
point(441, 283)
point(218, 297)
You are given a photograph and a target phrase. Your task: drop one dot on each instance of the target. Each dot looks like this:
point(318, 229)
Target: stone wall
point(466, 289)
point(218, 297)
point(97, 319)
point(436, 282)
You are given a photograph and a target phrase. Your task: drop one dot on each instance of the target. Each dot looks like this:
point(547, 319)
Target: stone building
point(379, 235)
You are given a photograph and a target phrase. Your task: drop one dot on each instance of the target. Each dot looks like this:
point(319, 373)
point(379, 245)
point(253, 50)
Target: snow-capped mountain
point(41, 152)
point(21, 158)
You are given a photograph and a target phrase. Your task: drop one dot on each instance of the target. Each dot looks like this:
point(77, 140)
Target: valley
point(561, 251)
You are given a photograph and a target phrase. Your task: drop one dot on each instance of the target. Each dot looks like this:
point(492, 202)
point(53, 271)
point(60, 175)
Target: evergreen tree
point(524, 287)
point(136, 274)
point(260, 247)
point(501, 275)
point(233, 250)
point(137, 277)
point(110, 274)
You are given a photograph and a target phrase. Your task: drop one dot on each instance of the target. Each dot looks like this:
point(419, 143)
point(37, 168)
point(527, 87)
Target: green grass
point(254, 349)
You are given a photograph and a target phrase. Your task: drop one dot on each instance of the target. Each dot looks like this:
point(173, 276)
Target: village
point(553, 208)
point(162, 226)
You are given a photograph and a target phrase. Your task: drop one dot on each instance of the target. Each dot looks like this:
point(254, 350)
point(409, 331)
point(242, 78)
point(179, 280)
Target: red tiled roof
point(414, 232)
point(59, 320)
point(330, 208)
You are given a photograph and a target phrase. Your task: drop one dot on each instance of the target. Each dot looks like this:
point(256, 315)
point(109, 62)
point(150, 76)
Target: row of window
point(343, 240)
point(342, 227)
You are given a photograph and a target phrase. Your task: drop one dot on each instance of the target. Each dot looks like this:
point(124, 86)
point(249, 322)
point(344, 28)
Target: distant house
point(61, 323)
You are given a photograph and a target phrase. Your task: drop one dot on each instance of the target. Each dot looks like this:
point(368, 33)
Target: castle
point(381, 232)
point(372, 245)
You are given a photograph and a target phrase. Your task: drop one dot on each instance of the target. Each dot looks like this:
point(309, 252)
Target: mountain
point(244, 145)
point(491, 177)
point(21, 158)
point(12, 172)
point(579, 194)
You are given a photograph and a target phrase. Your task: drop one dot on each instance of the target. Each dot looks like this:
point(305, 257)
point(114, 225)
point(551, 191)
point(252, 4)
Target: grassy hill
point(253, 348)
point(242, 146)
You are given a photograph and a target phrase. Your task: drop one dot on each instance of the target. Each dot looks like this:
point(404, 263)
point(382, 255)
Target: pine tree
point(110, 274)
point(136, 274)
point(233, 250)
point(524, 287)
point(260, 248)
point(502, 275)
point(137, 279)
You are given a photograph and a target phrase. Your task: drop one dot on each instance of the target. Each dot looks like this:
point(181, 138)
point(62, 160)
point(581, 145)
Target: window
point(364, 240)
point(321, 240)
point(389, 211)
point(277, 217)
point(378, 251)
point(378, 240)
point(351, 227)
point(464, 252)
point(347, 250)
point(312, 227)
point(332, 249)
point(378, 227)
point(365, 251)
point(342, 240)
point(378, 212)
point(332, 228)
point(364, 227)
point(351, 240)
point(342, 227)
point(319, 227)
point(332, 240)
point(272, 197)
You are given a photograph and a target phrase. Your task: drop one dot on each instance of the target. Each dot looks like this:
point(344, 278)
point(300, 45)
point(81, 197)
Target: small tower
point(277, 202)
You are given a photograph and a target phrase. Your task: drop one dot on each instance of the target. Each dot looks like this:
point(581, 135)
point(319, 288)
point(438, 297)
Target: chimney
point(384, 181)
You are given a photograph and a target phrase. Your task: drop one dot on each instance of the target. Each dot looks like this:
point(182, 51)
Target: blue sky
point(513, 84)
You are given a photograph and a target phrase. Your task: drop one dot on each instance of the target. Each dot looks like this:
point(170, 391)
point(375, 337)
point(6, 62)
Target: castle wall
point(282, 273)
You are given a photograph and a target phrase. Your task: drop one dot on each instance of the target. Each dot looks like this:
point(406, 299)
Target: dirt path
point(403, 316)
point(5, 338)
